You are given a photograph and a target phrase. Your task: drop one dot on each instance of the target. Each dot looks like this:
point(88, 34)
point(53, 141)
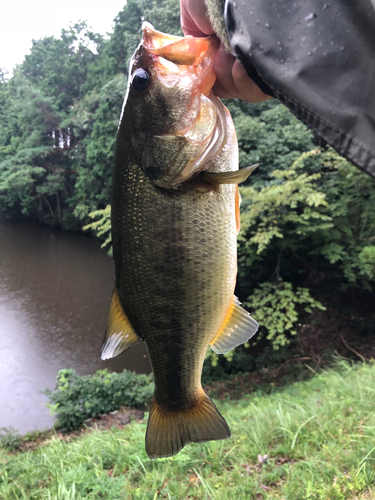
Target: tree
point(60, 67)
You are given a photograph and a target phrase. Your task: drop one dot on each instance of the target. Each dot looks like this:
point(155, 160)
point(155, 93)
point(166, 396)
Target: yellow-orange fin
point(119, 334)
point(232, 177)
point(238, 327)
point(168, 432)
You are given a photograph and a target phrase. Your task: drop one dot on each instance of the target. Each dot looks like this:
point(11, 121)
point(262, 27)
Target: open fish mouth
point(202, 129)
point(188, 51)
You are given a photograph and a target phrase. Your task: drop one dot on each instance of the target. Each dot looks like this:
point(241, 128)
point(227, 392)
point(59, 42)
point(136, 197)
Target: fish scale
point(175, 282)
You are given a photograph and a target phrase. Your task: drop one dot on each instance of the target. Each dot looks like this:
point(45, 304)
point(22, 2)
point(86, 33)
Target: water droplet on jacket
point(289, 38)
point(311, 16)
point(258, 21)
point(261, 47)
point(325, 7)
point(278, 43)
point(268, 26)
point(288, 60)
point(309, 53)
point(342, 48)
point(282, 61)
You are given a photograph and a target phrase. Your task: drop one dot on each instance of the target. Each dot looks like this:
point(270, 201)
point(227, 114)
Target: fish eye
point(141, 79)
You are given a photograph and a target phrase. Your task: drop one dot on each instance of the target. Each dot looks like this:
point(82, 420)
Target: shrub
point(9, 439)
point(277, 307)
point(77, 398)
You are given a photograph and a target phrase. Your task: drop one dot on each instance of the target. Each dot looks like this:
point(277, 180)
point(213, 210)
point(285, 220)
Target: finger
point(194, 18)
point(232, 79)
point(187, 24)
point(220, 91)
point(247, 89)
point(223, 63)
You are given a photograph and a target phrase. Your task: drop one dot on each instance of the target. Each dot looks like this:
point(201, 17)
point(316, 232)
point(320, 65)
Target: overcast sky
point(22, 21)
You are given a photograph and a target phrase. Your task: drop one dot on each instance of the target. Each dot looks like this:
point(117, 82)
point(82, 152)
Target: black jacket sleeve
point(318, 58)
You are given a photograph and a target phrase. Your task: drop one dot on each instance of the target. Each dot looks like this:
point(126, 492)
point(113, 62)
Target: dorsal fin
point(238, 327)
point(119, 334)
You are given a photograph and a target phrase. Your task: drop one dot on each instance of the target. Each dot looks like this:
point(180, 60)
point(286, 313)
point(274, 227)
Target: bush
point(9, 439)
point(277, 308)
point(77, 398)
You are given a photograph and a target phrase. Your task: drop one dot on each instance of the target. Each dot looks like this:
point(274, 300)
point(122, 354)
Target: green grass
point(319, 437)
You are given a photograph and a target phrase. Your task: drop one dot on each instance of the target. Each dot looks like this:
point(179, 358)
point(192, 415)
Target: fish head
point(173, 121)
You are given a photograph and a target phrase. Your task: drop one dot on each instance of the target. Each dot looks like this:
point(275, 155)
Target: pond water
point(55, 290)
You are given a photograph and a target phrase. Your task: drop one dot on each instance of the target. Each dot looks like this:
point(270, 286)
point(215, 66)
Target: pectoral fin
point(236, 177)
point(238, 327)
point(120, 334)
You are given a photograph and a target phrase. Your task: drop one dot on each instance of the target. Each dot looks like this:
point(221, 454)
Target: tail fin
point(168, 432)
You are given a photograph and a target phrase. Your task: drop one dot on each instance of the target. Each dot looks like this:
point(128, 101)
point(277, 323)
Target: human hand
point(231, 78)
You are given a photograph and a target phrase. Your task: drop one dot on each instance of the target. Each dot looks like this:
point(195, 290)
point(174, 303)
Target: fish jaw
point(177, 121)
point(196, 54)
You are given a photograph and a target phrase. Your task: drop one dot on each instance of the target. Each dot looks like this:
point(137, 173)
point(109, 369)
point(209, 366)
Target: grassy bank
point(309, 440)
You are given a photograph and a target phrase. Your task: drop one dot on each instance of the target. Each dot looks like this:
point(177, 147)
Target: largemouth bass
point(175, 217)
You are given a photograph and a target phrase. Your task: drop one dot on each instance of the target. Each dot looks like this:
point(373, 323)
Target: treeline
point(308, 222)
point(59, 115)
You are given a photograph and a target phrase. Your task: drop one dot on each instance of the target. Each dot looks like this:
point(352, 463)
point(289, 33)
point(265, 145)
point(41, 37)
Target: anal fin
point(119, 334)
point(238, 327)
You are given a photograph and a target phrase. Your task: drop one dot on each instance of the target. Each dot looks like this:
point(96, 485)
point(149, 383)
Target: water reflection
point(55, 289)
